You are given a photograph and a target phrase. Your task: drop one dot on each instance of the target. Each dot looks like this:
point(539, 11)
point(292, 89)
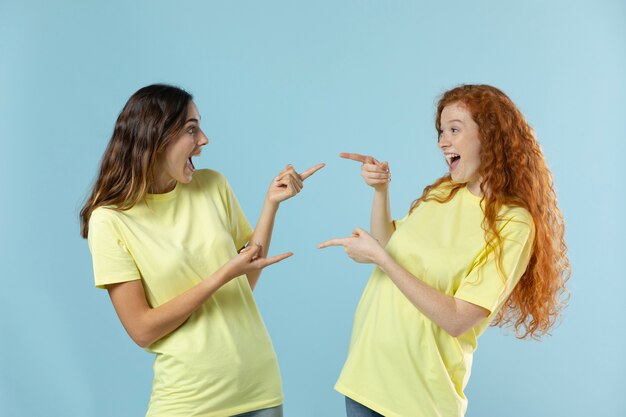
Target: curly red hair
point(514, 173)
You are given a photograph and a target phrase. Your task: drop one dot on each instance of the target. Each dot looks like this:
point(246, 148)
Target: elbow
point(464, 326)
point(142, 343)
point(456, 330)
point(453, 331)
point(142, 337)
point(465, 318)
point(142, 340)
point(146, 331)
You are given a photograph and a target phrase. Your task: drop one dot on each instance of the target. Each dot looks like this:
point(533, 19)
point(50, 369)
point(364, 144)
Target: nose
point(442, 140)
point(203, 140)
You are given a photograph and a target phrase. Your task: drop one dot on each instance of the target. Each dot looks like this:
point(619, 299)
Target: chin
point(456, 179)
point(185, 179)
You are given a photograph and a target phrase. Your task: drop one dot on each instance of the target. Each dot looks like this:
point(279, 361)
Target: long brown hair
point(151, 118)
point(514, 173)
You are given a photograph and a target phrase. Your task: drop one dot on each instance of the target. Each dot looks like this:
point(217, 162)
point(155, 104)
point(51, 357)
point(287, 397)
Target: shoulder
point(209, 176)
point(104, 221)
point(208, 180)
point(103, 214)
point(516, 214)
point(442, 190)
point(515, 218)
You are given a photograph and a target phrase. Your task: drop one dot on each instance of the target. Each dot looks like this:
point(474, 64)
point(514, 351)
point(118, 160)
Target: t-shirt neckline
point(164, 196)
point(471, 195)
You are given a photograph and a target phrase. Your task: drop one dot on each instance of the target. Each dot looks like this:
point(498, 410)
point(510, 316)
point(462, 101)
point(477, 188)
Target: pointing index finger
point(356, 157)
point(365, 159)
point(334, 242)
point(277, 258)
point(306, 174)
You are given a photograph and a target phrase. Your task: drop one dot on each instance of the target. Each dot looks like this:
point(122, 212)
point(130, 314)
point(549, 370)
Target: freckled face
point(174, 164)
point(460, 143)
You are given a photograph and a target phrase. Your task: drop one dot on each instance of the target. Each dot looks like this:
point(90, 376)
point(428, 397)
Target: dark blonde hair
point(514, 173)
point(151, 118)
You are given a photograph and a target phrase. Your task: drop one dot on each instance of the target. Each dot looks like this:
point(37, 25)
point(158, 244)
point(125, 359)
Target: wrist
point(271, 205)
point(382, 259)
point(223, 275)
point(382, 189)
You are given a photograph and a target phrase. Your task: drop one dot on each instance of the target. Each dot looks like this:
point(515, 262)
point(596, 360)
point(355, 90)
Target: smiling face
point(174, 163)
point(460, 143)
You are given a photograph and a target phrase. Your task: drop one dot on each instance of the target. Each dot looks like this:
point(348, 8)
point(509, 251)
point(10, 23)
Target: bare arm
point(453, 315)
point(381, 224)
point(263, 235)
point(376, 174)
point(287, 184)
point(145, 324)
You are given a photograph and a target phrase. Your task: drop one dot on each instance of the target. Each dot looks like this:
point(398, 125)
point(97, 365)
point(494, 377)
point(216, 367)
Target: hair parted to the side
point(514, 173)
point(151, 118)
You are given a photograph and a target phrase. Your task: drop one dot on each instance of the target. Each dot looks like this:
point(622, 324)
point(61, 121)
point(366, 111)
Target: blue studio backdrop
point(280, 82)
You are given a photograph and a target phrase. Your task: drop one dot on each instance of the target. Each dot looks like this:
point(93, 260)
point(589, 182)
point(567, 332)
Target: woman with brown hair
point(169, 244)
point(483, 245)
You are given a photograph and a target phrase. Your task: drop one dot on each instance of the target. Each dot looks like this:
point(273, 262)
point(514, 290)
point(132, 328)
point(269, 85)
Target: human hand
point(376, 174)
point(289, 183)
point(361, 246)
point(251, 259)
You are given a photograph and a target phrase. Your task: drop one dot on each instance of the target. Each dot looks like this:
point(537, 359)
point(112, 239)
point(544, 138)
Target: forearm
point(381, 225)
point(453, 315)
point(166, 318)
point(263, 235)
point(145, 324)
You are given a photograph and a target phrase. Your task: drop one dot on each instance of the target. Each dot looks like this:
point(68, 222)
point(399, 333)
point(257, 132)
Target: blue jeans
point(266, 412)
point(354, 409)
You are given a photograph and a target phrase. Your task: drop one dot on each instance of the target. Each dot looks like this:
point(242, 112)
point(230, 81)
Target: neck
point(162, 186)
point(474, 188)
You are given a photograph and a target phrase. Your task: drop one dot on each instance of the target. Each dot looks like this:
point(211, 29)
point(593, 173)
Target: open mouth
point(453, 160)
point(190, 165)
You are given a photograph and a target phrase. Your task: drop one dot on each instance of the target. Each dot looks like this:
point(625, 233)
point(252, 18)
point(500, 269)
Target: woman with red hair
point(482, 245)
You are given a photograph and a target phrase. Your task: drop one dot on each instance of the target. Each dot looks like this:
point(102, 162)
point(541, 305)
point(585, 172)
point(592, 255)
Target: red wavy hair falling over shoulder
point(514, 173)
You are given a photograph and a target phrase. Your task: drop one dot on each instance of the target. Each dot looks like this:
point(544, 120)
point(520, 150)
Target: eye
point(191, 130)
point(454, 130)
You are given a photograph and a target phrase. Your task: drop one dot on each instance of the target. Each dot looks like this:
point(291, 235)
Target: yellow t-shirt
point(400, 363)
point(221, 361)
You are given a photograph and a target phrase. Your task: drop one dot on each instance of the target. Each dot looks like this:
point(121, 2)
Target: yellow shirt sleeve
point(485, 285)
point(398, 223)
point(112, 262)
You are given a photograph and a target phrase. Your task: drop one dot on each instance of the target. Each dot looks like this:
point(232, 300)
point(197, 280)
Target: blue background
point(282, 82)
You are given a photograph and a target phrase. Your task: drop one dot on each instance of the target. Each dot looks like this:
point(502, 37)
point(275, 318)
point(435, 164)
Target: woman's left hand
point(289, 183)
point(361, 246)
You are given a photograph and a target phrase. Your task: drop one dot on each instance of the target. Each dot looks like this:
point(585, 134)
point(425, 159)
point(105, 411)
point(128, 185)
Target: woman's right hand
point(376, 174)
point(251, 259)
point(288, 183)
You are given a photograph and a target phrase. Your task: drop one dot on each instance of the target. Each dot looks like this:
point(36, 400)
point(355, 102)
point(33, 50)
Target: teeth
point(449, 156)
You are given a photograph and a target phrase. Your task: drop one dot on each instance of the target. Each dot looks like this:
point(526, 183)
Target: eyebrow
point(191, 120)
